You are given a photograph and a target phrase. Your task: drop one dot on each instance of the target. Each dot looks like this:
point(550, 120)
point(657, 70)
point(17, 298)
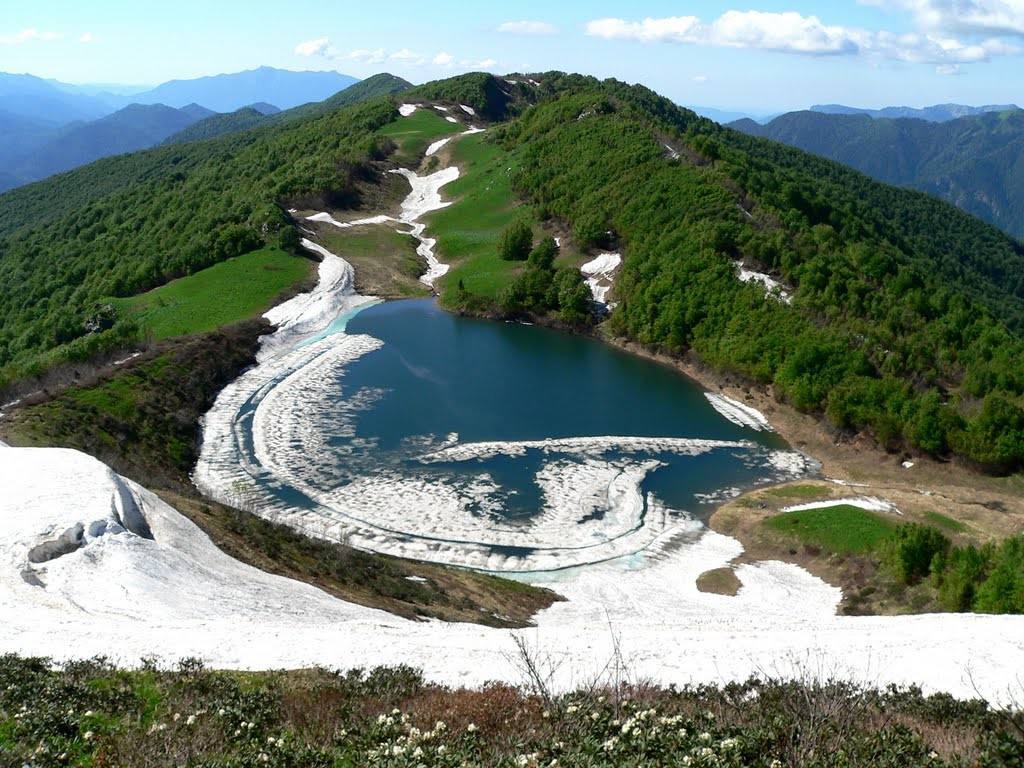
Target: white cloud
point(527, 28)
point(793, 33)
point(968, 17)
point(478, 64)
point(87, 38)
point(789, 32)
point(405, 56)
point(674, 29)
point(365, 56)
point(947, 69)
point(27, 35)
point(700, 78)
point(312, 47)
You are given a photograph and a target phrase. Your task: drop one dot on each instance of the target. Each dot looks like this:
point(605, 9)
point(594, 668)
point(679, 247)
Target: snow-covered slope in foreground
point(91, 563)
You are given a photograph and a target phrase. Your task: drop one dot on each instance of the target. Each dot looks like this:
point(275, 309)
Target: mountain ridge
point(936, 113)
point(975, 162)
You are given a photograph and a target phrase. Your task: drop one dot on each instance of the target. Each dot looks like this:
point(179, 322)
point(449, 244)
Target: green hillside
point(906, 316)
point(128, 224)
point(241, 287)
point(218, 125)
point(976, 163)
point(907, 313)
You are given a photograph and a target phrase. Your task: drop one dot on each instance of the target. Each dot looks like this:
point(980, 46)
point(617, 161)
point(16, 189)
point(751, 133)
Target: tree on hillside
point(516, 242)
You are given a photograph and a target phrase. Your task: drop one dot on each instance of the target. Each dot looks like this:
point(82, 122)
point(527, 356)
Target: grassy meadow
point(237, 289)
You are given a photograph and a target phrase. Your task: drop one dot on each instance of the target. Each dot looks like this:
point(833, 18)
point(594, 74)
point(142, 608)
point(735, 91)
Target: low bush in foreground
point(90, 713)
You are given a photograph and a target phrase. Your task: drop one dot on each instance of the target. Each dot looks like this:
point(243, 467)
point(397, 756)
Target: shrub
point(516, 242)
point(911, 549)
point(543, 256)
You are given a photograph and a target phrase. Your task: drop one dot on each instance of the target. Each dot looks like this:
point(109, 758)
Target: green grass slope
point(241, 287)
point(843, 529)
point(484, 205)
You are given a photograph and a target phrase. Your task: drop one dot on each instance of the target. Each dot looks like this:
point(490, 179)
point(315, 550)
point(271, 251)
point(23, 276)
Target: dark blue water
point(487, 381)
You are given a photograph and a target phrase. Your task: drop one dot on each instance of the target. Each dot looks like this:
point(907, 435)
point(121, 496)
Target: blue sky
point(758, 55)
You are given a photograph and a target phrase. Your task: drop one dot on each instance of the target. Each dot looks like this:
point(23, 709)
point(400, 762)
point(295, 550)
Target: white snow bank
point(739, 413)
point(772, 287)
point(870, 503)
point(425, 197)
point(468, 110)
point(407, 109)
point(329, 219)
point(88, 552)
point(126, 596)
point(599, 274)
point(314, 311)
point(436, 146)
point(451, 119)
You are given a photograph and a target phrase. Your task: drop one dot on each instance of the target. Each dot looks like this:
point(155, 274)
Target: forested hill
point(62, 196)
point(126, 224)
point(976, 163)
point(906, 314)
point(219, 125)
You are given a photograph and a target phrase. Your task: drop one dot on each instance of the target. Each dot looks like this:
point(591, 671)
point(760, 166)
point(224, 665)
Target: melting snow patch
point(870, 503)
point(772, 287)
point(312, 312)
point(468, 110)
point(739, 413)
point(407, 109)
point(598, 274)
point(436, 146)
point(328, 219)
point(424, 198)
point(124, 360)
point(451, 119)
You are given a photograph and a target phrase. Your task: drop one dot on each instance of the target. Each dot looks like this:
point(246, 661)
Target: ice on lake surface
point(489, 445)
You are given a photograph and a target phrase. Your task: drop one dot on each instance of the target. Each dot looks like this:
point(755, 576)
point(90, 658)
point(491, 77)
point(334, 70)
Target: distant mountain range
point(61, 103)
point(137, 126)
point(975, 162)
point(51, 102)
point(724, 116)
point(226, 93)
point(49, 126)
point(939, 113)
point(221, 124)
